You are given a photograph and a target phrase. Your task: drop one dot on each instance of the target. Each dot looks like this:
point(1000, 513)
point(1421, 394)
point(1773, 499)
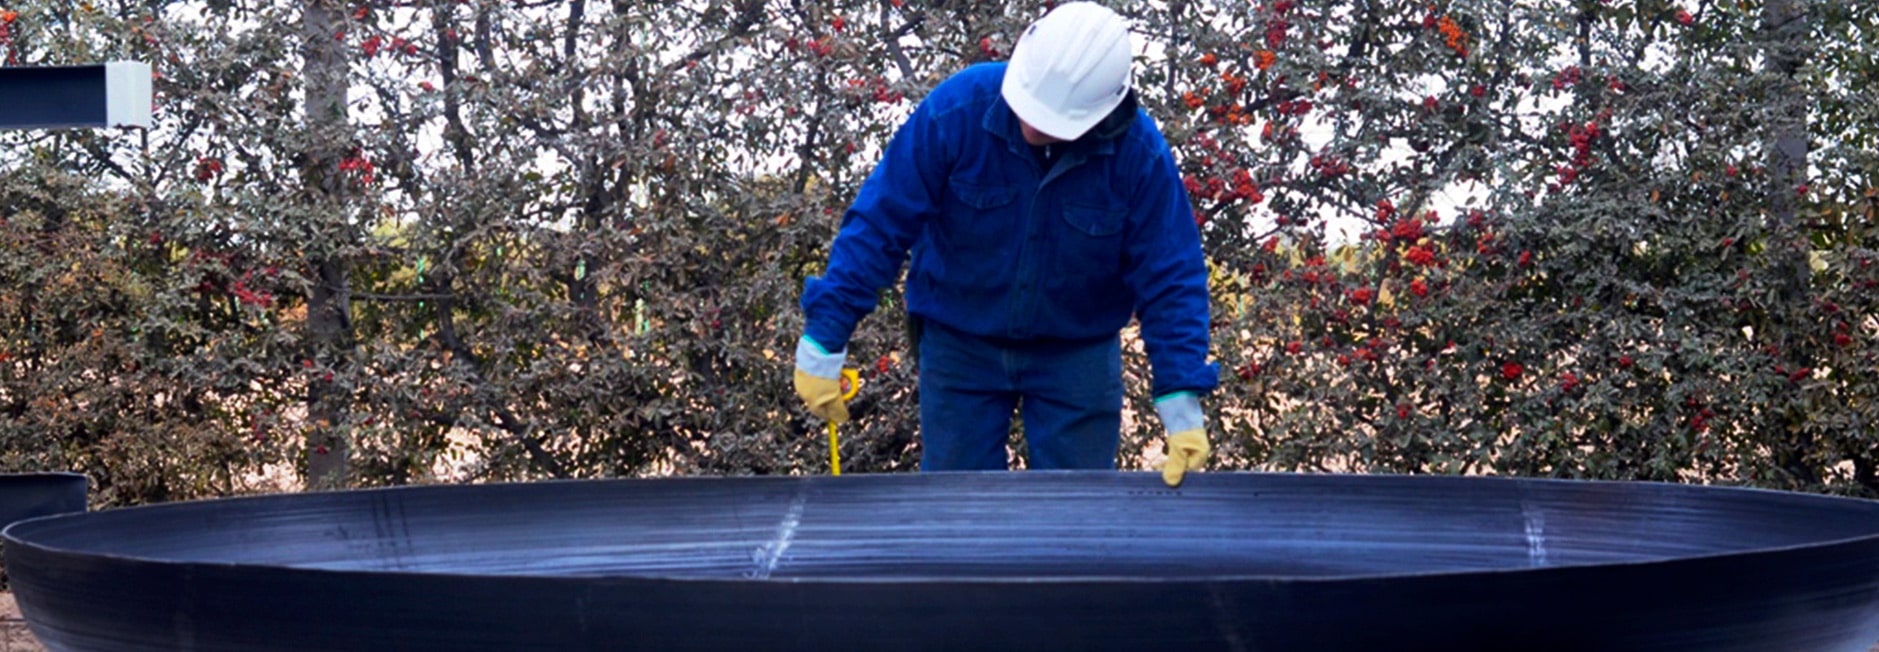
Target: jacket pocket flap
point(1095, 220)
point(982, 196)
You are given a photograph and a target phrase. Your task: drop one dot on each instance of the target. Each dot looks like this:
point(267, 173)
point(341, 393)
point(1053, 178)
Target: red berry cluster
point(208, 167)
point(1235, 83)
point(820, 47)
point(1277, 26)
point(6, 35)
point(1330, 166)
point(875, 89)
point(376, 44)
point(1568, 77)
point(1581, 138)
point(1293, 107)
point(357, 163)
point(1452, 34)
point(1216, 187)
point(1362, 296)
point(1248, 370)
point(250, 296)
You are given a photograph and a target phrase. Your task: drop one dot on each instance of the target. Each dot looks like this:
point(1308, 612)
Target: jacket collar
point(1100, 140)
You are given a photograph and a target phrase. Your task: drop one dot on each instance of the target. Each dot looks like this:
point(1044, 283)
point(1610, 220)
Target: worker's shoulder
point(973, 86)
point(975, 79)
point(1144, 137)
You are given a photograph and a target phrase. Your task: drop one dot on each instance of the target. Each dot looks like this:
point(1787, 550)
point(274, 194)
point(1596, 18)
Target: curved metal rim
point(10, 538)
point(45, 474)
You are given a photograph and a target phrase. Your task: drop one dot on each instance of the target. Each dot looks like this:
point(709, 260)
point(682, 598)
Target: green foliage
point(567, 239)
point(1611, 288)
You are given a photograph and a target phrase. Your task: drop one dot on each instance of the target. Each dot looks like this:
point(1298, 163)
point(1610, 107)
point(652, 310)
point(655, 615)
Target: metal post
point(115, 94)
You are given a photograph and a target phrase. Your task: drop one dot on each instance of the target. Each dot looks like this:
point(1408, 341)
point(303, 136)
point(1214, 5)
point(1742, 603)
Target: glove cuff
point(1180, 412)
point(812, 360)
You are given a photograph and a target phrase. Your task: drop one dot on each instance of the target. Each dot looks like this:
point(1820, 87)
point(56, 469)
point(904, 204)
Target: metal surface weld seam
point(393, 531)
point(1536, 533)
point(772, 553)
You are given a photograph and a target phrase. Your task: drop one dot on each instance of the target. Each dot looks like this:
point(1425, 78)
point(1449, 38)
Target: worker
point(1042, 209)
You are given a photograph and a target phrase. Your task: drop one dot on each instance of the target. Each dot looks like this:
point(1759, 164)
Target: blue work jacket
point(1003, 248)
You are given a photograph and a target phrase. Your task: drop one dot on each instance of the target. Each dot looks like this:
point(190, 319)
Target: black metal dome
point(27, 495)
point(966, 561)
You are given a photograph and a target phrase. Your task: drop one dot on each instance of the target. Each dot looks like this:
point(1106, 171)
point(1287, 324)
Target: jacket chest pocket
point(979, 196)
point(1094, 220)
point(1095, 234)
point(976, 212)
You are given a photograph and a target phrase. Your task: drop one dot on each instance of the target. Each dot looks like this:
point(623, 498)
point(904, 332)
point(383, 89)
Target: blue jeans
point(1069, 394)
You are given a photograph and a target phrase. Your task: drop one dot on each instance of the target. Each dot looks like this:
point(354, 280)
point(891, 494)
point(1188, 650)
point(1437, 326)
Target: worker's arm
point(877, 231)
point(1168, 273)
point(880, 227)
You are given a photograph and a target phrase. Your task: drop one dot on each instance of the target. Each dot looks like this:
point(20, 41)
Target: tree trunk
point(329, 307)
point(1785, 32)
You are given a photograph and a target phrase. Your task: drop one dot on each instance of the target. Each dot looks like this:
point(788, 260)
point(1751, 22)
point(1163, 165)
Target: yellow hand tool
point(851, 384)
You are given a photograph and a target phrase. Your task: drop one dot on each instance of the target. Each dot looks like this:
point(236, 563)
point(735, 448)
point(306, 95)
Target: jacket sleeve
point(1167, 272)
point(881, 226)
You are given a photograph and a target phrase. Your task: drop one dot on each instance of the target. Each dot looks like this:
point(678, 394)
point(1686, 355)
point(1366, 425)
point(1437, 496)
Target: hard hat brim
point(1042, 118)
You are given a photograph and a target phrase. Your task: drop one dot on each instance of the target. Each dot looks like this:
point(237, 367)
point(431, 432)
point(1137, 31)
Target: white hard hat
point(1069, 69)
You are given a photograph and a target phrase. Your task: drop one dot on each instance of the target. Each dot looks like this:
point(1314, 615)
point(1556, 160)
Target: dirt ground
point(13, 634)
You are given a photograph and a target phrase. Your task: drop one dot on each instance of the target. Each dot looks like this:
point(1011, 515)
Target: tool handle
point(835, 452)
point(851, 385)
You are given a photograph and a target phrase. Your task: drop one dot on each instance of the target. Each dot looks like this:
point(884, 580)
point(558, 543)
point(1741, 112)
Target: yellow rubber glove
point(1187, 451)
point(1187, 439)
point(823, 396)
point(819, 380)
